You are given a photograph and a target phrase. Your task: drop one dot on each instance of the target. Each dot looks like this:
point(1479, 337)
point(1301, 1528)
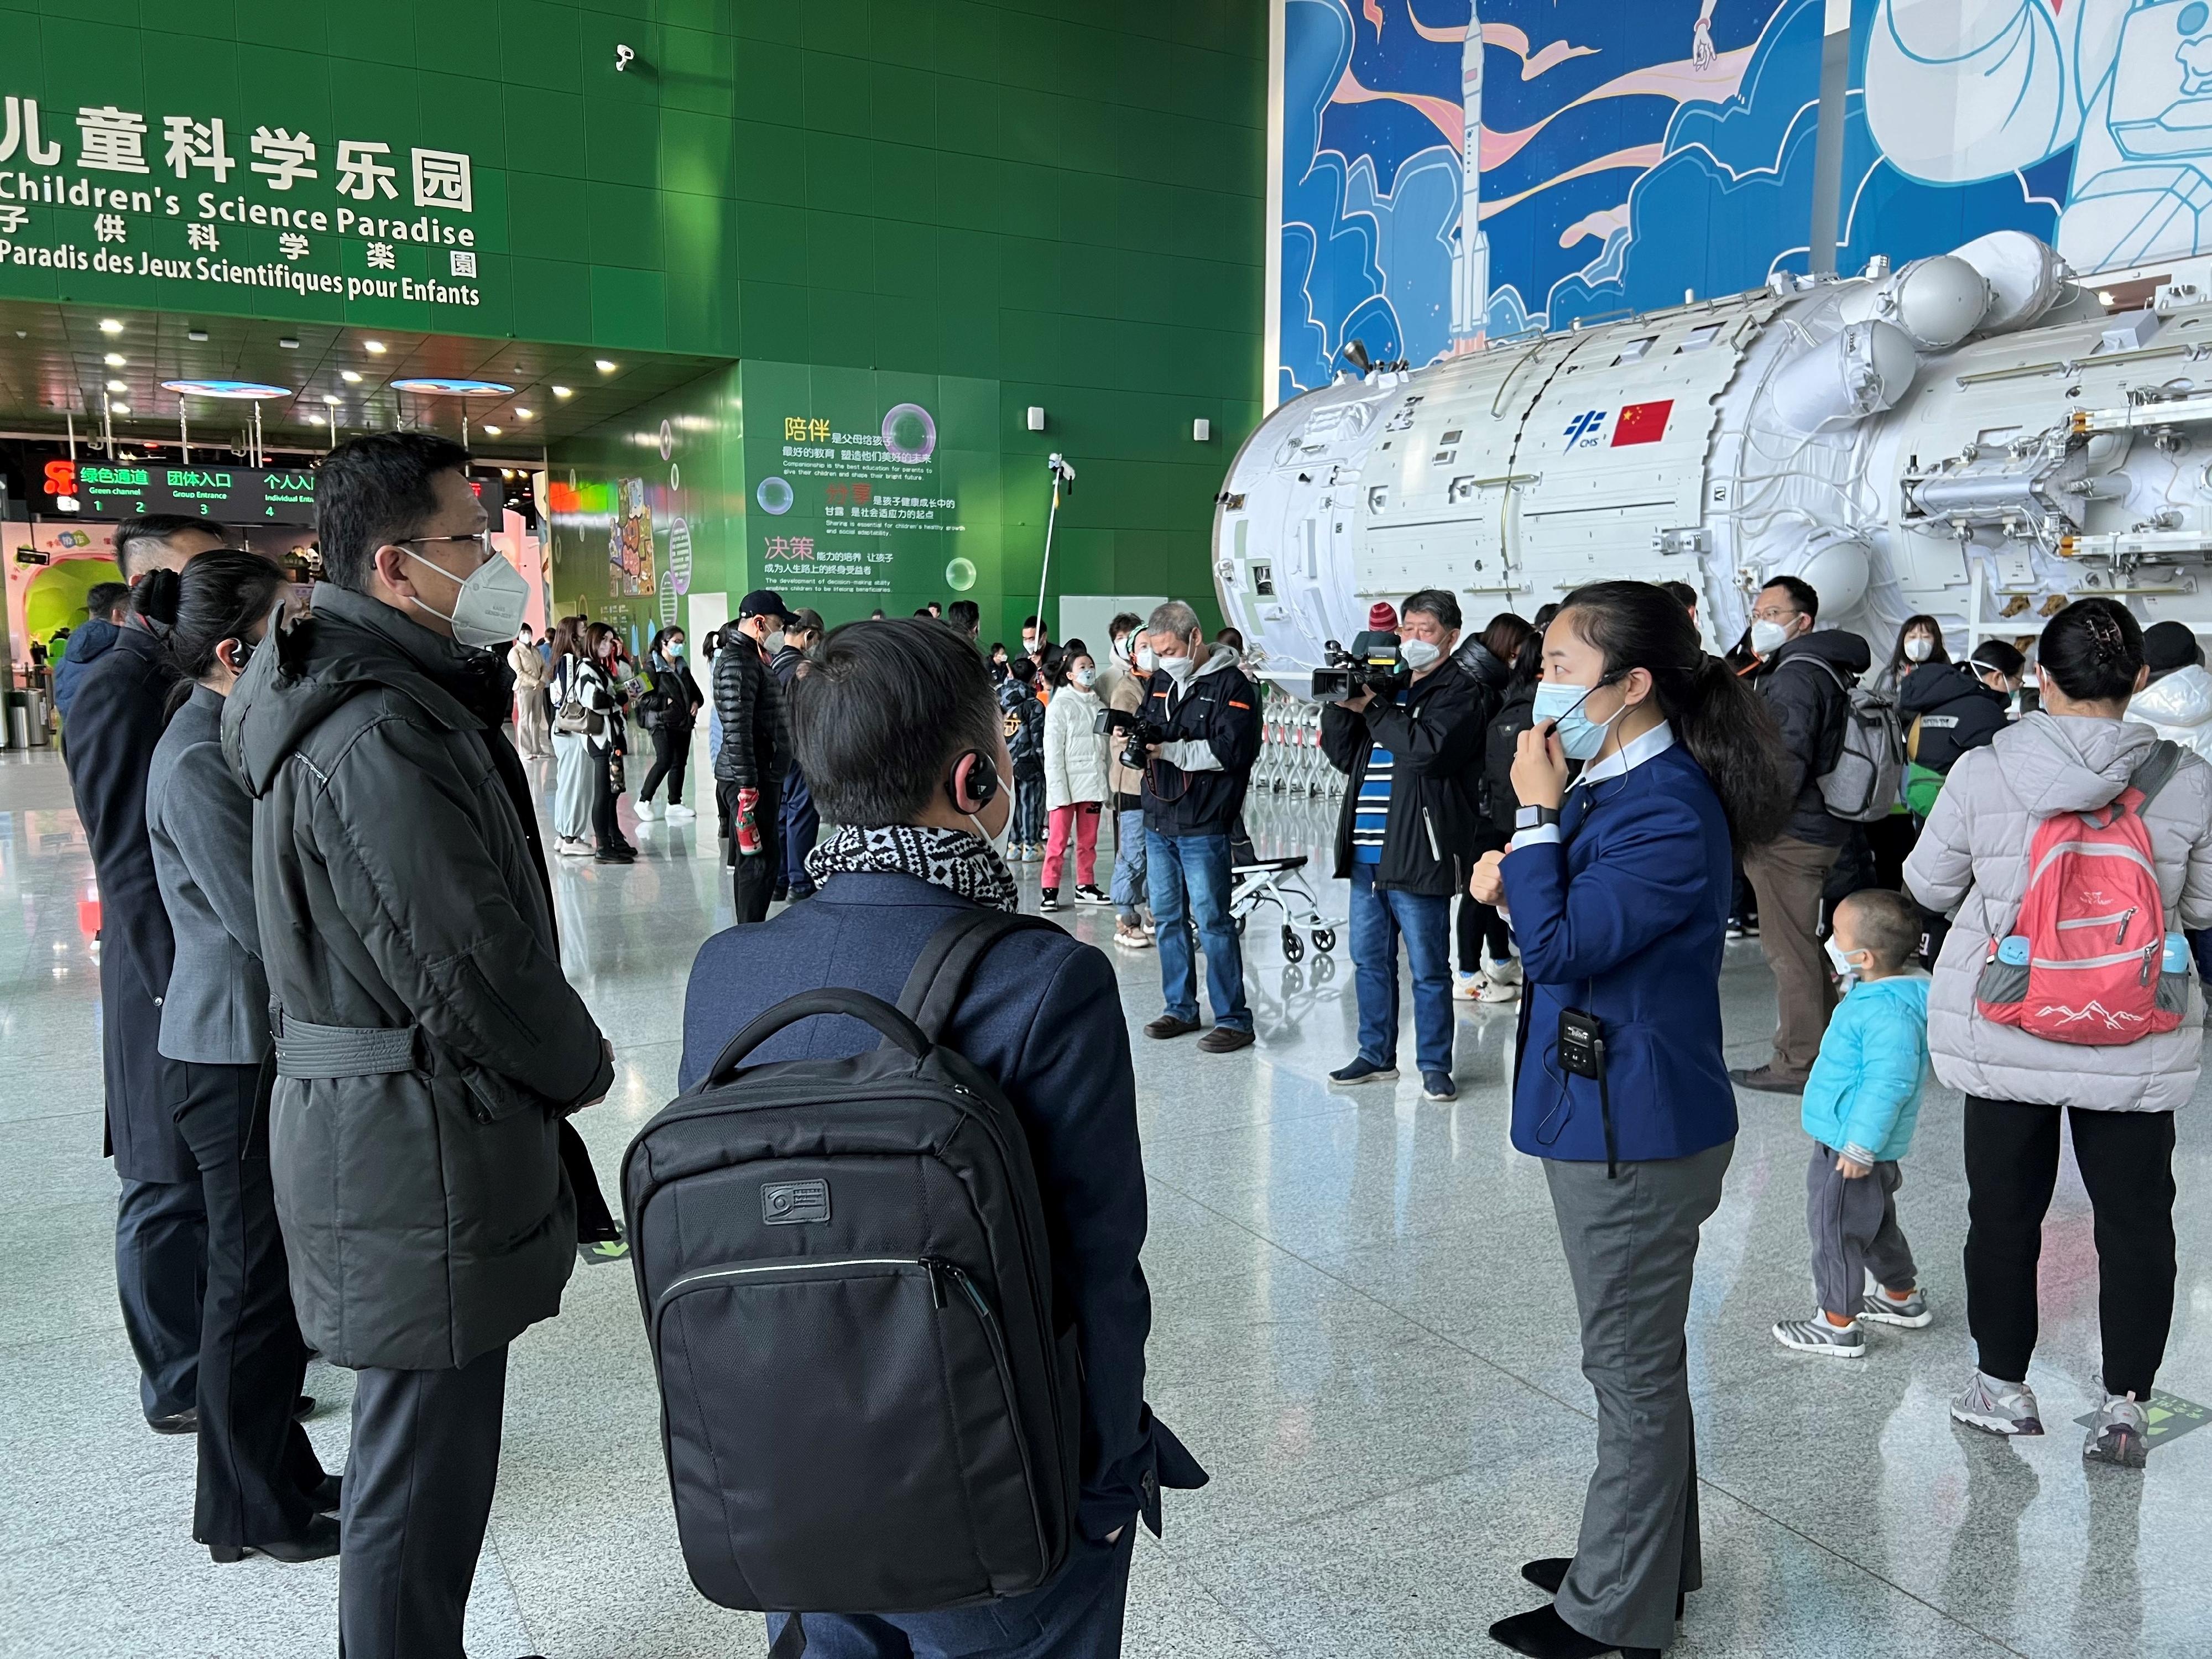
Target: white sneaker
point(2119, 1433)
point(1467, 987)
point(1817, 1335)
point(647, 810)
point(573, 846)
point(677, 811)
point(1133, 938)
point(1997, 1406)
point(1507, 972)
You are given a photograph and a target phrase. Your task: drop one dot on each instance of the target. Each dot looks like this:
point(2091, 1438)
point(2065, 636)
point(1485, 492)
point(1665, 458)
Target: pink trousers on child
point(1083, 818)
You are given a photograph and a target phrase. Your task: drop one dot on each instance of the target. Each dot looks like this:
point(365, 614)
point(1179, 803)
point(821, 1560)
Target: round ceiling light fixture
point(249, 390)
point(436, 386)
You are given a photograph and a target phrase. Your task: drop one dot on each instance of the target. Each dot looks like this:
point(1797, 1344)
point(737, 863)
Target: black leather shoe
point(320, 1541)
point(1549, 1572)
point(1167, 1025)
point(1542, 1634)
point(303, 1409)
point(326, 1495)
point(187, 1421)
point(1225, 1040)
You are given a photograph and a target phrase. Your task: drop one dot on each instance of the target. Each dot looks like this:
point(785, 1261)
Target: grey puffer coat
point(427, 1211)
point(1973, 854)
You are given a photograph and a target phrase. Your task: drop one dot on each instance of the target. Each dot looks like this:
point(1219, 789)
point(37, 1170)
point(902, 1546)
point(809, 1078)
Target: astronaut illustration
point(1958, 91)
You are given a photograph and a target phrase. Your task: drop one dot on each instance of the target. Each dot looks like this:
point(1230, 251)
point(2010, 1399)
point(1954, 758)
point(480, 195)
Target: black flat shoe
point(303, 1409)
point(326, 1494)
point(320, 1541)
point(1542, 1634)
point(1548, 1573)
point(187, 1421)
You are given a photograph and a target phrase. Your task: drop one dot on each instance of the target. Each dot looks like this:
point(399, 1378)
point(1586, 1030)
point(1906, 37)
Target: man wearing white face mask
point(1402, 837)
point(1805, 674)
point(428, 1047)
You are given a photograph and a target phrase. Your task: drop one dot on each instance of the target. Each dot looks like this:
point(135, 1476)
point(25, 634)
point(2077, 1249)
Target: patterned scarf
point(956, 859)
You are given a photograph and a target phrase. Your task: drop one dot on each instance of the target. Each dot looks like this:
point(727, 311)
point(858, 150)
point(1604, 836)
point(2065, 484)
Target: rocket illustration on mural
point(1470, 246)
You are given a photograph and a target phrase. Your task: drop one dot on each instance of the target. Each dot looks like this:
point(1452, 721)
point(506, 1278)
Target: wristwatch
point(1536, 818)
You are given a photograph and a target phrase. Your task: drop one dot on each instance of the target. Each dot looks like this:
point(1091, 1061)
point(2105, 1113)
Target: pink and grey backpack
point(2089, 960)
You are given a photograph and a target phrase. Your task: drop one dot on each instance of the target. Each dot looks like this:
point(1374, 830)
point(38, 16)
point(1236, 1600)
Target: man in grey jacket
point(428, 1047)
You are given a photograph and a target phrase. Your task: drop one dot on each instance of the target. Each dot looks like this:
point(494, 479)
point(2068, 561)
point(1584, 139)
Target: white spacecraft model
point(1972, 435)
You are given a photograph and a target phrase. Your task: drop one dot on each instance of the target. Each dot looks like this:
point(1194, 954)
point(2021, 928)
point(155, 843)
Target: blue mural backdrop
point(1453, 172)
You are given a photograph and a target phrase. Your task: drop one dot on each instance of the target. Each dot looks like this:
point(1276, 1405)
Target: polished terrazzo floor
point(1363, 1325)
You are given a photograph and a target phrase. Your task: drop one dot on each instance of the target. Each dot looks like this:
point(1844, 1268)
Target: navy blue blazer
point(1625, 917)
point(1043, 1017)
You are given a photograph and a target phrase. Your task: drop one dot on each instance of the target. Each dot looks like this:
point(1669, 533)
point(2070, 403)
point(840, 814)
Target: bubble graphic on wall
point(909, 434)
point(960, 575)
point(774, 496)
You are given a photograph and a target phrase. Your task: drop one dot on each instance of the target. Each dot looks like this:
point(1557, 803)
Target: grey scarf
point(954, 858)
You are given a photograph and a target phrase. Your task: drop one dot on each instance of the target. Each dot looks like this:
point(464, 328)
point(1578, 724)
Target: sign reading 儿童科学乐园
point(183, 197)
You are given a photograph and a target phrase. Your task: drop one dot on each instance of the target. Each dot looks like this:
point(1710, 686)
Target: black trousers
point(257, 1470)
point(160, 1275)
point(606, 828)
point(418, 1492)
point(1891, 842)
point(2127, 1165)
point(672, 753)
point(802, 828)
point(1482, 932)
point(754, 884)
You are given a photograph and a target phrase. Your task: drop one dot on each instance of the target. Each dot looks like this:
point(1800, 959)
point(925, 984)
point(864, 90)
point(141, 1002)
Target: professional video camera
point(1139, 731)
point(1372, 665)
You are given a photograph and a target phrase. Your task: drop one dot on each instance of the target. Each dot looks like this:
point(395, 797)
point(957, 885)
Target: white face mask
point(1085, 677)
point(1418, 654)
point(1177, 668)
point(1122, 648)
point(673, 650)
point(1919, 648)
point(489, 608)
point(1841, 963)
point(1147, 659)
point(1029, 646)
point(1769, 637)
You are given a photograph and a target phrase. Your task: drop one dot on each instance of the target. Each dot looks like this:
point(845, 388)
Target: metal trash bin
point(19, 720)
point(39, 716)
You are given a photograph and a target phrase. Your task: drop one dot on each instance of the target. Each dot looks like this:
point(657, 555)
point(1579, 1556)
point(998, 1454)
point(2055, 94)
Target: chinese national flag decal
point(1642, 423)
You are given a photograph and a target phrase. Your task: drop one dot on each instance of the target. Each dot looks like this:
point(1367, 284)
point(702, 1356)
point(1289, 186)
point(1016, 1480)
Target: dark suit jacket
point(1043, 1017)
point(115, 720)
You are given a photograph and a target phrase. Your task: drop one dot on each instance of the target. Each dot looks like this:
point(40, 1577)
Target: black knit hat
point(2168, 646)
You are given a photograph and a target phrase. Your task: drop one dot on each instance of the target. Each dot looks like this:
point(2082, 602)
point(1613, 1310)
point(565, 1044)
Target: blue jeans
point(1192, 872)
point(1076, 1614)
point(1129, 862)
point(1379, 916)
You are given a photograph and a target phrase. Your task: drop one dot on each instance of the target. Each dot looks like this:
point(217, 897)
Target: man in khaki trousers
point(1805, 674)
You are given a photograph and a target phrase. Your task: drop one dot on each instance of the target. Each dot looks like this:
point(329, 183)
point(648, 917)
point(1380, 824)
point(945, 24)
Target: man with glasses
point(1805, 673)
point(428, 1048)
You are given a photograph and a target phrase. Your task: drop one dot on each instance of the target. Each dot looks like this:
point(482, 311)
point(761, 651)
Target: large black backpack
point(867, 1402)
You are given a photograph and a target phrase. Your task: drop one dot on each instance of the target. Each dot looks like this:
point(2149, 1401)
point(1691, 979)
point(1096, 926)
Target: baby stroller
point(1281, 883)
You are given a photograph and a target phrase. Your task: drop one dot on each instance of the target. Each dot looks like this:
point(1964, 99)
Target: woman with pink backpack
point(2077, 846)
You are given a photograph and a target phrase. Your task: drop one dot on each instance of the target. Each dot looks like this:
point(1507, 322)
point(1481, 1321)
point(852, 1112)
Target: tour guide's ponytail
point(1720, 720)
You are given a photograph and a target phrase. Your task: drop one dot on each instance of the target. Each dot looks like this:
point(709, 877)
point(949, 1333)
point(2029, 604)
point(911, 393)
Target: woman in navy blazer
point(1617, 886)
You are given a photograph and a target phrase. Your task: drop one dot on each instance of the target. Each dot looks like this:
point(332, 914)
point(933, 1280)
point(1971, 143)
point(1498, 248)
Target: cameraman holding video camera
point(1200, 728)
point(1406, 732)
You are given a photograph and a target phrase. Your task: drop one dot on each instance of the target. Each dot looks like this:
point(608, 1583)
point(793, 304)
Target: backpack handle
point(895, 1027)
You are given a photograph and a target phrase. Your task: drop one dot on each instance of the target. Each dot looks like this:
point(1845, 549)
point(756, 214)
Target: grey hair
point(1174, 618)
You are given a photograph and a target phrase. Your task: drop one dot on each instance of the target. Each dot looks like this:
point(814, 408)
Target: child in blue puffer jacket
point(1860, 1103)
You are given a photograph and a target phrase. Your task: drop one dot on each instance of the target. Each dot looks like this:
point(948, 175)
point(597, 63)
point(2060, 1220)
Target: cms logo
point(1584, 426)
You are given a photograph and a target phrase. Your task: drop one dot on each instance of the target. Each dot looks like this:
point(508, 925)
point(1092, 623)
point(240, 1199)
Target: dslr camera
point(1372, 665)
point(1138, 731)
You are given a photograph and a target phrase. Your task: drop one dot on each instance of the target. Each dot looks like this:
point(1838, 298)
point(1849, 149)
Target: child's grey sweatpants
point(1853, 1225)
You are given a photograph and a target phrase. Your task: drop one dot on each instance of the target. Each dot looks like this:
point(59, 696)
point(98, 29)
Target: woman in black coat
point(261, 1487)
point(668, 711)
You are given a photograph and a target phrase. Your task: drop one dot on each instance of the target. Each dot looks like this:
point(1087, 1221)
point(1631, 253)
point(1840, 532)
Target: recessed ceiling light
point(314, 420)
point(375, 348)
point(563, 392)
point(522, 414)
point(111, 325)
point(289, 342)
point(117, 386)
point(351, 377)
point(331, 399)
point(115, 360)
point(491, 432)
point(121, 408)
point(603, 366)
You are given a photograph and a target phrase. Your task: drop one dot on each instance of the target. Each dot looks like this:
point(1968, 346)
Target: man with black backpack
point(887, 1240)
point(1806, 675)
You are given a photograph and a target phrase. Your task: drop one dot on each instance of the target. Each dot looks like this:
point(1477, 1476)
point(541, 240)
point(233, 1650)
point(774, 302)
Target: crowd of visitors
point(341, 1054)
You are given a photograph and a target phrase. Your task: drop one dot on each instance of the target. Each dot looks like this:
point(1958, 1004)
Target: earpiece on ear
point(974, 782)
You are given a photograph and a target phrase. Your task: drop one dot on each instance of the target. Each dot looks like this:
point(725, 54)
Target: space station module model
point(1972, 435)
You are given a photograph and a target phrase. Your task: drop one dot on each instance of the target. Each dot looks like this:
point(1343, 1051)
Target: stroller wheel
point(1324, 938)
point(1241, 920)
point(1294, 948)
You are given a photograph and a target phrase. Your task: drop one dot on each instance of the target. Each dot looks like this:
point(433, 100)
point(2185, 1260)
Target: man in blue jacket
point(901, 741)
point(106, 605)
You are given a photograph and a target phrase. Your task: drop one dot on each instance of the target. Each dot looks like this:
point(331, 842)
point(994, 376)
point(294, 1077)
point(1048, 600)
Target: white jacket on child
point(1074, 756)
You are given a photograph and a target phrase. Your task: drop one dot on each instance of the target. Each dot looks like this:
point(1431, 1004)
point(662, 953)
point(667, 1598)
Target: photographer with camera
point(1406, 733)
point(1200, 734)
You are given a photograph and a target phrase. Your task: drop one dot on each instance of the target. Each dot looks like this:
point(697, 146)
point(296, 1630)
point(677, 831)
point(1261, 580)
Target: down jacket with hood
point(427, 1212)
point(93, 641)
point(1973, 855)
point(1075, 756)
point(1809, 702)
point(2179, 706)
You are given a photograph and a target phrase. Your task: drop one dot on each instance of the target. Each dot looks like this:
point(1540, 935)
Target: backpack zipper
point(933, 1268)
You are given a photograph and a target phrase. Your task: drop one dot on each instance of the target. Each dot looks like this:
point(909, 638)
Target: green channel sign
point(184, 198)
point(227, 495)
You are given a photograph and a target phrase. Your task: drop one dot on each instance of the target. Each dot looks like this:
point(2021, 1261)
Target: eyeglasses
point(482, 538)
point(1771, 613)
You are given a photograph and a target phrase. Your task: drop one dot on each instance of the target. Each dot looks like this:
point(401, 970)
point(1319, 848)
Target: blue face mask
point(1580, 737)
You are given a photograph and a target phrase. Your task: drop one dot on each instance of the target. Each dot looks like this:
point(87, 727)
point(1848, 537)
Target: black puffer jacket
point(1809, 706)
point(1501, 739)
point(1434, 742)
point(749, 701)
point(427, 1211)
point(1955, 712)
